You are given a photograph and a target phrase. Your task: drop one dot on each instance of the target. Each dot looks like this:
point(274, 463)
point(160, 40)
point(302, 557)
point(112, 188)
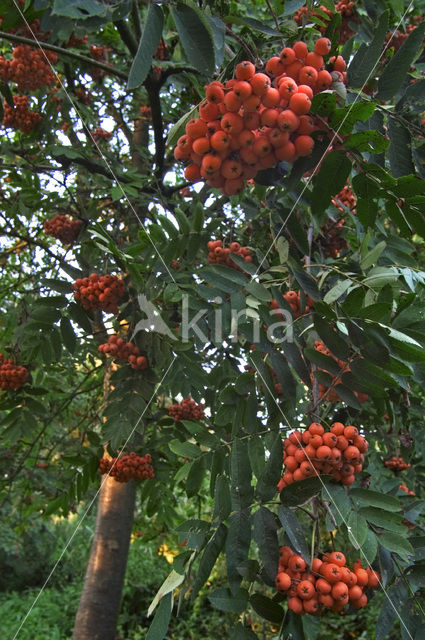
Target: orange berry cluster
point(339, 452)
point(63, 228)
point(397, 464)
point(217, 254)
point(406, 489)
point(161, 52)
point(347, 10)
point(76, 42)
point(187, 410)
point(101, 134)
point(99, 292)
point(328, 584)
point(331, 393)
point(331, 241)
point(128, 467)
point(146, 112)
point(345, 197)
point(121, 350)
point(256, 120)
point(293, 298)
point(20, 117)
point(12, 376)
point(29, 68)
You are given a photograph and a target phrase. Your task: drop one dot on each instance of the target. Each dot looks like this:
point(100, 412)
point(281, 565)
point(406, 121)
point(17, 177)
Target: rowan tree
point(198, 331)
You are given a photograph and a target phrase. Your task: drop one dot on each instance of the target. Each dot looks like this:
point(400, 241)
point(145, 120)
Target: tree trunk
point(100, 601)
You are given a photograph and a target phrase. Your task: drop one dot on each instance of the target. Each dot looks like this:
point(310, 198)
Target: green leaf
point(222, 498)
point(259, 291)
point(339, 501)
point(396, 543)
point(367, 56)
point(266, 608)
point(400, 149)
point(148, 44)
point(159, 624)
point(373, 255)
point(332, 177)
point(195, 477)
point(79, 9)
point(241, 489)
point(396, 596)
point(394, 73)
point(224, 600)
point(337, 291)
point(371, 141)
point(219, 31)
point(184, 449)
point(357, 529)
point(209, 558)
point(294, 531)
point(284, 375)
point(172, 581)
point(331, 337)
point(265, 535)
point(196, 35)
point(366, 497)
point(237, 546)
point(344, 119)
point(266, 485)
point(68, 336)
point(370, 547)
point(367, 372)
point(301, 491)
point(384, 519)
point(79, 316)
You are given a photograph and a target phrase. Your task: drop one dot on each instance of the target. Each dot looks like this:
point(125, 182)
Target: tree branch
point(64, 52)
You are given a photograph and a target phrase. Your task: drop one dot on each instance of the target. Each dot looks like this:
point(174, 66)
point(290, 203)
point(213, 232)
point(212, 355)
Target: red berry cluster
point(12, 376)
point(121, 350)
point(406, 489)
point(161, 52)
point(187, 410)
point(100, 134)
point(396, 38)
point(99, 292)
point(396, 463)
point(347, 10)
point(339, 452)
point(331, 240)
point(293, 298)
point(146, 112)
point(328, 584)
point(247, 124)
point(63, 228)
point(331, 393)
point(20, 117)
point(345, 197)
point(83, 96)
point(29, 68)
point(223, 255)
point(75, 42)
point(128, 467)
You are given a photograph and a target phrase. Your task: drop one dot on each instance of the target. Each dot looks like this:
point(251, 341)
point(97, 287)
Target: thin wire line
point(90, 505)
point(334, 137)
point(330, 498)
point(105, 160)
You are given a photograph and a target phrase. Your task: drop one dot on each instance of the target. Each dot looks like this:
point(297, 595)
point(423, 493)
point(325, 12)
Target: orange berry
point(313, 59)
point(323, 586)
point(196, 128)
point(300, 49)
point(275, 66)
point(214, 93)
point(300, 104)
point(244, 70)
point(232, 102)
point(232, 123)
point(192, 173)
point(305, 590)
point(295, 604)
point(307, 75)
point(283, 581)
point(288, 120)
point(271, 98)
point(287, 55)
point(323, 46)
point(242, 89)
point(260, 83)
point(201, 146)
point(220, 141)
point(304, 145)
point(324, 80)
point(340, 592)
point(208, 111)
